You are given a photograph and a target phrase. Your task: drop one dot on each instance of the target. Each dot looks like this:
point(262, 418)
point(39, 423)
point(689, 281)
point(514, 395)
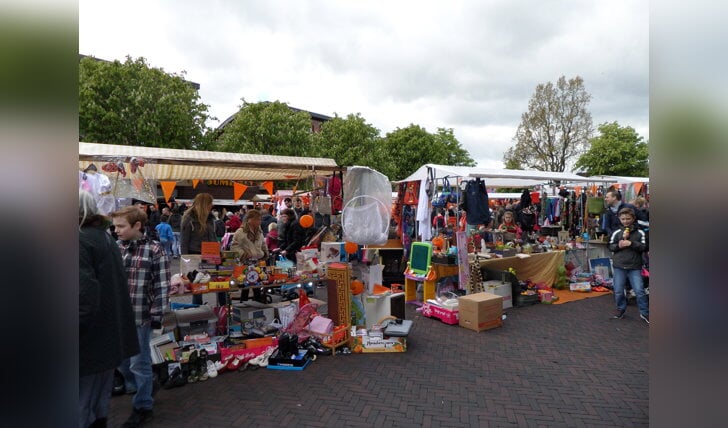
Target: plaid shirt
point(147, 267)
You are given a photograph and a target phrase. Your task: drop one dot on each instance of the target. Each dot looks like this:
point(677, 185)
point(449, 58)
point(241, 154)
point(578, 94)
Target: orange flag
point(637, 188)
point(168, 188)
point(238, 190)
point(195, 183)
point(268, 185)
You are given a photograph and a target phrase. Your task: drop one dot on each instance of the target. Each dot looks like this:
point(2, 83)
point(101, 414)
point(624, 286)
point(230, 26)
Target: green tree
point(404, 150)
point(349, 141)
point(456, 154)
point(270, 128)
point(131, 103)
point(555, 129)
point(616, 151)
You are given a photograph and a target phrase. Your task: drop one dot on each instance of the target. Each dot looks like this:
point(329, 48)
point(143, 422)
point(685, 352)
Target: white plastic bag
point(366, 212)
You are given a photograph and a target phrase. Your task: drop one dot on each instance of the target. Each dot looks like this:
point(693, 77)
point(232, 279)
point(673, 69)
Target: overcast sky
point(467, 65)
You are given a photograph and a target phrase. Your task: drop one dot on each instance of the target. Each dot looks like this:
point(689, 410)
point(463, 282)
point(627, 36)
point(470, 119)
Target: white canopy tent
point(503, 177)
point(623, 180)
point(442, 171)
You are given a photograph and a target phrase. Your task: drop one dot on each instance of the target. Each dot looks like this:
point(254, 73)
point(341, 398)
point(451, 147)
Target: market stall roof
point(178, 164)
point(501, 177)
point(450, 171)
point(620, 179)
point(532, 175)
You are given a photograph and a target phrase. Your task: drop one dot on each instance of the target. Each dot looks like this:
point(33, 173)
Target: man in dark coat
point(107, 333)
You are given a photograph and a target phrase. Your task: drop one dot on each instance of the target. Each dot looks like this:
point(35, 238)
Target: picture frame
point(602, 266)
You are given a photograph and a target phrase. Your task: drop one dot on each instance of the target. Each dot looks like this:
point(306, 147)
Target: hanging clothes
point(475, 202)
point(423, 214)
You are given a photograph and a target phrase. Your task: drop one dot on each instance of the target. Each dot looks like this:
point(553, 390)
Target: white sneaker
point(202, 278)
point(211, 369)
point(262, 359)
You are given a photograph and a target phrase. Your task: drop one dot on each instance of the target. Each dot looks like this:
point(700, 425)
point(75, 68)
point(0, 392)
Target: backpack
point(219, 228)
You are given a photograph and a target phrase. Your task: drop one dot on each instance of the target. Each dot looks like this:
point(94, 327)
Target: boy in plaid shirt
point(147, 268)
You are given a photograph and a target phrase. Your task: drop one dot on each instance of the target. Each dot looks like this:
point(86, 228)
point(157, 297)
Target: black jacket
point(191, 236)
point(296, 237)
point(628, 257)
point(611, 219)
point(106, 330)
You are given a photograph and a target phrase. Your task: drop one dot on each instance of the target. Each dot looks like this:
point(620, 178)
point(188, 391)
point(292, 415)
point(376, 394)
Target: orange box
point(210, 248)
point(258, 342)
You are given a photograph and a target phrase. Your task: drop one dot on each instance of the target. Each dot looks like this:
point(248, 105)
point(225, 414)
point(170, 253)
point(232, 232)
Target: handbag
point(411, 193)
point(440, 200)
point(323, 204)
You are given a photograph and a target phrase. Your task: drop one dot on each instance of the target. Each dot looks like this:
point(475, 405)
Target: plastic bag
point(366, 213)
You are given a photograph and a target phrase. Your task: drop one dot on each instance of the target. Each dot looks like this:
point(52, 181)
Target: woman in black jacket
point(106, 328)
point(198, 226)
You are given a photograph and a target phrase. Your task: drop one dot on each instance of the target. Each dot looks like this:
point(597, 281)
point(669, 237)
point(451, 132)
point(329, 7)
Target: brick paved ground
point(549, 365)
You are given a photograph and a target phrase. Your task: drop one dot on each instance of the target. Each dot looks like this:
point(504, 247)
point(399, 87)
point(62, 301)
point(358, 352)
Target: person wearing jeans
point(628, 243)
point(148, 276)
point(137, 371)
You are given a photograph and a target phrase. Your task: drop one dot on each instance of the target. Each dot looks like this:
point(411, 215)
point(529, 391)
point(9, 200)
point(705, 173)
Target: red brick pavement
point(548, 366)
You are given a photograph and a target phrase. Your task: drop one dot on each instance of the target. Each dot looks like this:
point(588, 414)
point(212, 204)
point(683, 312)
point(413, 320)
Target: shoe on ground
point(618, 315)
point(211, 369)
point(138, 418)
point(645, 318)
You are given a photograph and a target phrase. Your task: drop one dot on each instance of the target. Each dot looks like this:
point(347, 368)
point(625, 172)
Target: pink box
point(445, 315)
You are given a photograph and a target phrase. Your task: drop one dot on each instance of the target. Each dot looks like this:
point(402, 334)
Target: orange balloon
point(350, 247)
point(306, 221)
point(357, 287)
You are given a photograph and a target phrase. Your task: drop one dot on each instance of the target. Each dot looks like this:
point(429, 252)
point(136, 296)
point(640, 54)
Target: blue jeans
point(137, 370)
point(635, 279)
point(167, 245)
point(176, 245)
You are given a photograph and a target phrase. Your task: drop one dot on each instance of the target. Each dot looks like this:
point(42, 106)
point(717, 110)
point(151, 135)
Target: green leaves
point(270, 128)
point(555, 129)
point(132, 103)
point(616, 151)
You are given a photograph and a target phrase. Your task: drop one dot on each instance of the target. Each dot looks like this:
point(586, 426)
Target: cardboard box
point(481, 311)
point(583, 287)
point(501, 289)
point(300, 360)
point(448, 316)
point(332, 252)
point(368, 344)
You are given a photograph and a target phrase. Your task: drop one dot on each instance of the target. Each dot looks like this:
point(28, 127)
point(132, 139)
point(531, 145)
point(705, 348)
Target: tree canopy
point(131, 103)
point(409, 148)
point(270, 128)
point(555, 129)
point(616, 151)
point(349, 141)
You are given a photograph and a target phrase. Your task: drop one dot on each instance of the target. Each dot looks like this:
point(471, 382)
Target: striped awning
point(177, 164)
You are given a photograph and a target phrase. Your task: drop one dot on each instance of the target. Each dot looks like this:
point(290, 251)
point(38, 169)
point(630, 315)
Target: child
point(628, 243)
point(148, 276)
point(271, 239)
point(509, 225)
point(166, 236)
